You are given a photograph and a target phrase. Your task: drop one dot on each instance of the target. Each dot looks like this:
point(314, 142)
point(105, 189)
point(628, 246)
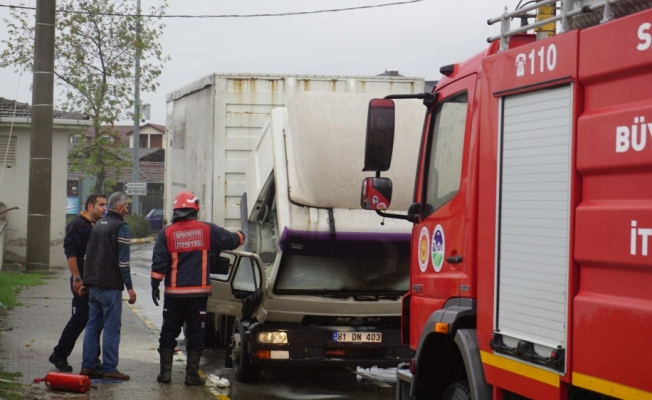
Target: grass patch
point(10, 390)
point(11, 284)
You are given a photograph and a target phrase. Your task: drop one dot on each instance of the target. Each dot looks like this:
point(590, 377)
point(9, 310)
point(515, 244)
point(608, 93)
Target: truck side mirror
point(380, 135)
point(219, 265)
point(376, 193)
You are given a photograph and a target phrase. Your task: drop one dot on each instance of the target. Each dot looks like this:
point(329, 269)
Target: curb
point(143, 240)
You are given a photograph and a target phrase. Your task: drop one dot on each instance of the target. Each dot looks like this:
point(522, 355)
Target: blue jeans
point(105, 309)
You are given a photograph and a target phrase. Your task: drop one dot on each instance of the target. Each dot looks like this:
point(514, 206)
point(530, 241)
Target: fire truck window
point(445, 165)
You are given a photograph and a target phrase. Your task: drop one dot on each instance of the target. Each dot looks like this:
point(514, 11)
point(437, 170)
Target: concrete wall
point(14, 190)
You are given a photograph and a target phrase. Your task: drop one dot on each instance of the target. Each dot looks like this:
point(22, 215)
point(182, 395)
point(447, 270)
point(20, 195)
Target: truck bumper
point(314, 346)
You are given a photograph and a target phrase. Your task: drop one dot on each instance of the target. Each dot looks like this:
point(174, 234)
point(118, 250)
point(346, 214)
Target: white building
point(15, 130)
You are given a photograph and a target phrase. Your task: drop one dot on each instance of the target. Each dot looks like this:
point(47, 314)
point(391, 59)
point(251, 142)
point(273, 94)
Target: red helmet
point(186, 199)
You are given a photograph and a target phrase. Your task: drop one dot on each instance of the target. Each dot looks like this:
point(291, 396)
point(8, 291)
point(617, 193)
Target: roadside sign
point(137, 191)
point(136, 185)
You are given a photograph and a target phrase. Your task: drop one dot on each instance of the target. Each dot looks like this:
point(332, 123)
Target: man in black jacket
point(74, 245)
point(180, 257)
point(106, 274)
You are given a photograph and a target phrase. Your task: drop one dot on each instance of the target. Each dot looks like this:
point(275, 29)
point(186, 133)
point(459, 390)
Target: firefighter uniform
point(181, 259)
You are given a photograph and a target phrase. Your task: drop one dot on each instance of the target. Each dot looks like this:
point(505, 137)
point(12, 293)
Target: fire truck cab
point(531, 267)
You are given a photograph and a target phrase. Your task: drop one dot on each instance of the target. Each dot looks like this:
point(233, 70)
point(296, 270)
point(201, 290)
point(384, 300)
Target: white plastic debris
point(216, 381)
point(381, 374)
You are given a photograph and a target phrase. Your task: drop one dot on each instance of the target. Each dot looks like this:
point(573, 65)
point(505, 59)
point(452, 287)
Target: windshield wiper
point(375, 296)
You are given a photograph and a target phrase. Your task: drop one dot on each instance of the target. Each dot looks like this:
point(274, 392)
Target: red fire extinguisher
point(66, 382)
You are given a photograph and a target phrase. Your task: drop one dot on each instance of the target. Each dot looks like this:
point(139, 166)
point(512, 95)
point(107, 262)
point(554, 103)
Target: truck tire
point(210, 331)
point(457, 391)
point(243, 369)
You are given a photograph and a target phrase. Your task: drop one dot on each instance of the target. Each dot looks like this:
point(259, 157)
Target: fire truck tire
point(243, 369)
point(457, 391)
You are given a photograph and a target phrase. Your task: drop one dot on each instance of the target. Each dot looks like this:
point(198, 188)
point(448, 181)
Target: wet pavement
point(278, 383)
point(29, 332)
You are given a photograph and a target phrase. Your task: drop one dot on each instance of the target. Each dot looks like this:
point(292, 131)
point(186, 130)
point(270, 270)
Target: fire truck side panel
point(530, 388)
point(613, 309)
point(533, 69)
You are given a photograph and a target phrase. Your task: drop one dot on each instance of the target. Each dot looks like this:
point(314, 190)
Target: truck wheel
point(243, 369)
point(457, 391)
point(210, 336)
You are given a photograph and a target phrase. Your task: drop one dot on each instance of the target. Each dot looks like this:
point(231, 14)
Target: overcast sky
point(415, 38)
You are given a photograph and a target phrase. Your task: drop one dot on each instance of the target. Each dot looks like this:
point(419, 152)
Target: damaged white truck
point(323, 279)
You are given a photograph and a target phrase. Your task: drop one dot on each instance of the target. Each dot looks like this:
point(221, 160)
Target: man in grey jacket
point(106, 274)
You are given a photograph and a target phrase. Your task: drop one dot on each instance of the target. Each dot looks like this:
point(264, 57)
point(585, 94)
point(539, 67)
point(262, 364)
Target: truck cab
point(319, 282)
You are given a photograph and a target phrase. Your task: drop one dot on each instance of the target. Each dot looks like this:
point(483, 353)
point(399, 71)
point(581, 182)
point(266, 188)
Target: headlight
point(273, 337)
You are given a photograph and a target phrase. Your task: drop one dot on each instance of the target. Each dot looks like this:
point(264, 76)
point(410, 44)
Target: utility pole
point(40, 151)
point(135, 206)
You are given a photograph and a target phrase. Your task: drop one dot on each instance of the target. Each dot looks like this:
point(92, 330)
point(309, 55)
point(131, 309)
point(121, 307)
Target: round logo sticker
point(438, 248)
point(424, 249)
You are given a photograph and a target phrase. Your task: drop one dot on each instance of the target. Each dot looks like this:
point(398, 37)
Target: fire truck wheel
point(243, 369)
point(457, 391)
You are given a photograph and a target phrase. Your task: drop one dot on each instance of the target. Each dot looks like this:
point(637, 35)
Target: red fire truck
point(531, 266)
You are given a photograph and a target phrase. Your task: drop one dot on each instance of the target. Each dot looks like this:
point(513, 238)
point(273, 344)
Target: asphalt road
point(279, 383)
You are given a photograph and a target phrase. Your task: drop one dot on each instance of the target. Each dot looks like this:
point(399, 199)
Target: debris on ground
point(216, 381)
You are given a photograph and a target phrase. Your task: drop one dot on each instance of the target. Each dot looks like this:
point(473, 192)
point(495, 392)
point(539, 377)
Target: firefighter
point(181, 258)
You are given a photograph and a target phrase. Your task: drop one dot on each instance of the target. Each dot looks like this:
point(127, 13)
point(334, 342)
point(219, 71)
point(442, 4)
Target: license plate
point(357, 337)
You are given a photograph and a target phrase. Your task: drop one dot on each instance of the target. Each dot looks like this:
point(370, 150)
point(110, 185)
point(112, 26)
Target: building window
point(7, 151)
point(74, 139)
point(143, 142)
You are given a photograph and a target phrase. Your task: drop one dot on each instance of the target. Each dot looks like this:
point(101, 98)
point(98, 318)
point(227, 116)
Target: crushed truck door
point(245, 274)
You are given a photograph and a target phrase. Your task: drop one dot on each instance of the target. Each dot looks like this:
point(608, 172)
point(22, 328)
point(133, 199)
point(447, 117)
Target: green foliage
point(138, 225)
point(95, 50)
point(98, 158)
point(11, 284)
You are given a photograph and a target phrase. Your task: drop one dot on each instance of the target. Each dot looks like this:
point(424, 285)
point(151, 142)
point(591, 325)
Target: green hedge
point(138, 225)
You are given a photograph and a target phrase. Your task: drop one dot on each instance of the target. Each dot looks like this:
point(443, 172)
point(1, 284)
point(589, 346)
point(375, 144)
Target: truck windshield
point(320, 274)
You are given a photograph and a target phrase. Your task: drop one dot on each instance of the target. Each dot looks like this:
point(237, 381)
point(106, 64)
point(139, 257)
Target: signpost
point(136, 188)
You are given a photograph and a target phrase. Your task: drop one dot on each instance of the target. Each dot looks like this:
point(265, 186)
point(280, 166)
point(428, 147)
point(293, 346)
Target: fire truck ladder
point(573, 14)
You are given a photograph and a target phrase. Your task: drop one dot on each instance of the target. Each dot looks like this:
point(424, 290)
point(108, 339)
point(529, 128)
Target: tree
point(96, 46)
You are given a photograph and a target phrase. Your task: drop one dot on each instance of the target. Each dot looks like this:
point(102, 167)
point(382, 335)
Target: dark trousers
point(176, 311)
point(74, 327)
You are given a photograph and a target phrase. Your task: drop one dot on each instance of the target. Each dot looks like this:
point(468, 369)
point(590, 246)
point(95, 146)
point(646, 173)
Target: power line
point(226, 15)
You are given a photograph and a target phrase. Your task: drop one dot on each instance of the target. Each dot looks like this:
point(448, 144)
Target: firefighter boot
point(166, 365)
point(192, 369)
